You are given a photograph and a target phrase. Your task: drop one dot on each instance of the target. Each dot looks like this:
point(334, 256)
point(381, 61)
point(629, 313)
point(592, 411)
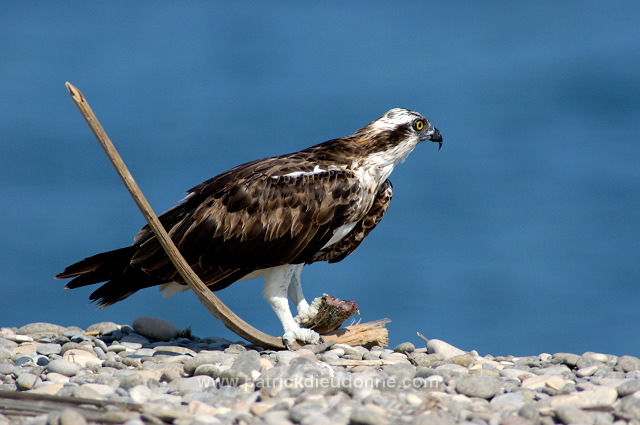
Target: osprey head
point(397, 129)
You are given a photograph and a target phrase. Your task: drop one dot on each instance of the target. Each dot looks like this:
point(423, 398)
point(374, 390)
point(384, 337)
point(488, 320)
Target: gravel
point(152, 373)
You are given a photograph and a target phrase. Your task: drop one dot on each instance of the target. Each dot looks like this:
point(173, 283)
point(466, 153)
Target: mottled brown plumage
point(317, 204)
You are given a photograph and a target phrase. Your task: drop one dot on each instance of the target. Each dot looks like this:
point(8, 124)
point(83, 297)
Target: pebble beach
point(149, 372)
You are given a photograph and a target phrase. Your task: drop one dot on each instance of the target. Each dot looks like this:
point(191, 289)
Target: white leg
point(295, 292)
point(276, 287)
point(305, 311)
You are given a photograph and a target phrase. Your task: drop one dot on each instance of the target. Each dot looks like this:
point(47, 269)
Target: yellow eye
point(419, 125)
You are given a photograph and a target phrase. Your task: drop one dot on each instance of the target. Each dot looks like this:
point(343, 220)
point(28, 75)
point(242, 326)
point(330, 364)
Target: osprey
point(269, 218)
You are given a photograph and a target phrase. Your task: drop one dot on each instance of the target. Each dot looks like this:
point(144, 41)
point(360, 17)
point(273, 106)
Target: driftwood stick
point(211, 302)
point(422, 337)
point(366, 334)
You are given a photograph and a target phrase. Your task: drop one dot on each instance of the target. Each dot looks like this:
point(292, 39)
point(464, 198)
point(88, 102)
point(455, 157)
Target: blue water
point(520, 236)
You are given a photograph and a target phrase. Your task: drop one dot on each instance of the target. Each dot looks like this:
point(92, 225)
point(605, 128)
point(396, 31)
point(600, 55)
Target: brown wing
point(348, 244)
point(253, 217)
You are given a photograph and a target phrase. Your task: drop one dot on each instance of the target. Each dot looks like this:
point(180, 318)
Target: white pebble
point(435, 346)
point(18, 338)
point(140, 393)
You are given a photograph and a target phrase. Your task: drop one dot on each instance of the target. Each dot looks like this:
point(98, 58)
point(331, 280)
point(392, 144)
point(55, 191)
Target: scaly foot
point(305, 336)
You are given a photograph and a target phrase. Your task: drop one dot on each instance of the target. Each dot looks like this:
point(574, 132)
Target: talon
point(305, 336)
point(289, 338)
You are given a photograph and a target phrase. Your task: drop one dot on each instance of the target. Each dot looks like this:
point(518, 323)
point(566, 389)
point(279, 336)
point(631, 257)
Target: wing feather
point(248, 220)
point(353, 239)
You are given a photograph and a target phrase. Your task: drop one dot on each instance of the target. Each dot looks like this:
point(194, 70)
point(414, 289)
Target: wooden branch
point(210, 301)
point(23, 404)
point(366, 334)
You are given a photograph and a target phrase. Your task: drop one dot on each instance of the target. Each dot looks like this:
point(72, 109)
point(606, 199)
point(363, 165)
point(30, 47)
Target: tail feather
point(100, 264)
point(119, 288)
point(114, 268)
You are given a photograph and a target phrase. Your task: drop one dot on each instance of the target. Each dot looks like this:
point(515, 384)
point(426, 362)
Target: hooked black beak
point(436, 137)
